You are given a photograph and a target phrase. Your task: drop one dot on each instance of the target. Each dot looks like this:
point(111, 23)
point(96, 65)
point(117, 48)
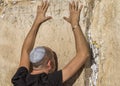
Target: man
point(42, 58)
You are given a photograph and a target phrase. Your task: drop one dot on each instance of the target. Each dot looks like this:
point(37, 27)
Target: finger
point(73, 5)
point(46, 7)
point(80, 8)
point(42, 3)
point(38, 7)
point(70, 6)
point(76, 7)
point(45, 3)
point(67, 19)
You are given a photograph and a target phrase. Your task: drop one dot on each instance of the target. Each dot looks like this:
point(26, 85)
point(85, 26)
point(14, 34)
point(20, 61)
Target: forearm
point(28, 45)
point(80, 41)
point(82, 52)
point(30, 38)
point(82, 49)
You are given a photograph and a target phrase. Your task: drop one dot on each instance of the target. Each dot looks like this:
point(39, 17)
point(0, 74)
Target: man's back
point(24, 78)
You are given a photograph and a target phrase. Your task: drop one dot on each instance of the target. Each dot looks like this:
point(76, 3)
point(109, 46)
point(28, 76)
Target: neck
point(39, 71)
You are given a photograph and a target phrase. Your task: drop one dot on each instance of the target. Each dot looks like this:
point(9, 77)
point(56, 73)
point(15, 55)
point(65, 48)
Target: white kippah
point(37, 54)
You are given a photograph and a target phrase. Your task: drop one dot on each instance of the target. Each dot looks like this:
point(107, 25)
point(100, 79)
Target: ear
point(49, 64)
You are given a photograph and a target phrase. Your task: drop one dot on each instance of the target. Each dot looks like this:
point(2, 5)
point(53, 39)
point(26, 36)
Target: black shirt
point(24, 78)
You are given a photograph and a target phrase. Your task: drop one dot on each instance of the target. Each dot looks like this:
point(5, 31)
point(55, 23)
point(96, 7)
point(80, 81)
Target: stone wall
point(100, 24)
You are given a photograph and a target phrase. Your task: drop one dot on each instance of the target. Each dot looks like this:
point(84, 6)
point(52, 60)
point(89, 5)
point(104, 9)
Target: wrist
point(75, 23)
point(37, 21)
point(75, 26)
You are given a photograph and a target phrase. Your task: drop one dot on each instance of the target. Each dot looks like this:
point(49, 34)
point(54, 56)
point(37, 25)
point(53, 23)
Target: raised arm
point(30, 38)
point(82, 49)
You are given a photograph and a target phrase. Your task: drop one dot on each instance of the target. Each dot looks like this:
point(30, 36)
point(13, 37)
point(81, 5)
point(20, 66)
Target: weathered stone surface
point(104, 29)
point(100, 23)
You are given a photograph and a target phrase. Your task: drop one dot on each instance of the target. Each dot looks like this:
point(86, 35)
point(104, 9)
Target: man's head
point(43, 58)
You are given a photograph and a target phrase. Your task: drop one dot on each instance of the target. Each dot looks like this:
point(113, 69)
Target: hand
point(41, 11)
point(74, 14)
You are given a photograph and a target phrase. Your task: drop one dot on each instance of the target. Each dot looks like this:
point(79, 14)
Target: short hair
point(40, 56)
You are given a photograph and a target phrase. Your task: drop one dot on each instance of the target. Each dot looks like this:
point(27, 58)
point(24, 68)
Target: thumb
point(48, 17)
point(67, 19)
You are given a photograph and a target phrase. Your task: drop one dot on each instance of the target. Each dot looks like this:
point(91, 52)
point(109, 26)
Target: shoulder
point(20, 75)
point(55, 74)
point(55, 78)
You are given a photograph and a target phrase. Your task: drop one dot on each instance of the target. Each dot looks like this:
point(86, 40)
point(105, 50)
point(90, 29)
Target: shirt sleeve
point(55, 78)
point(20, 77)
